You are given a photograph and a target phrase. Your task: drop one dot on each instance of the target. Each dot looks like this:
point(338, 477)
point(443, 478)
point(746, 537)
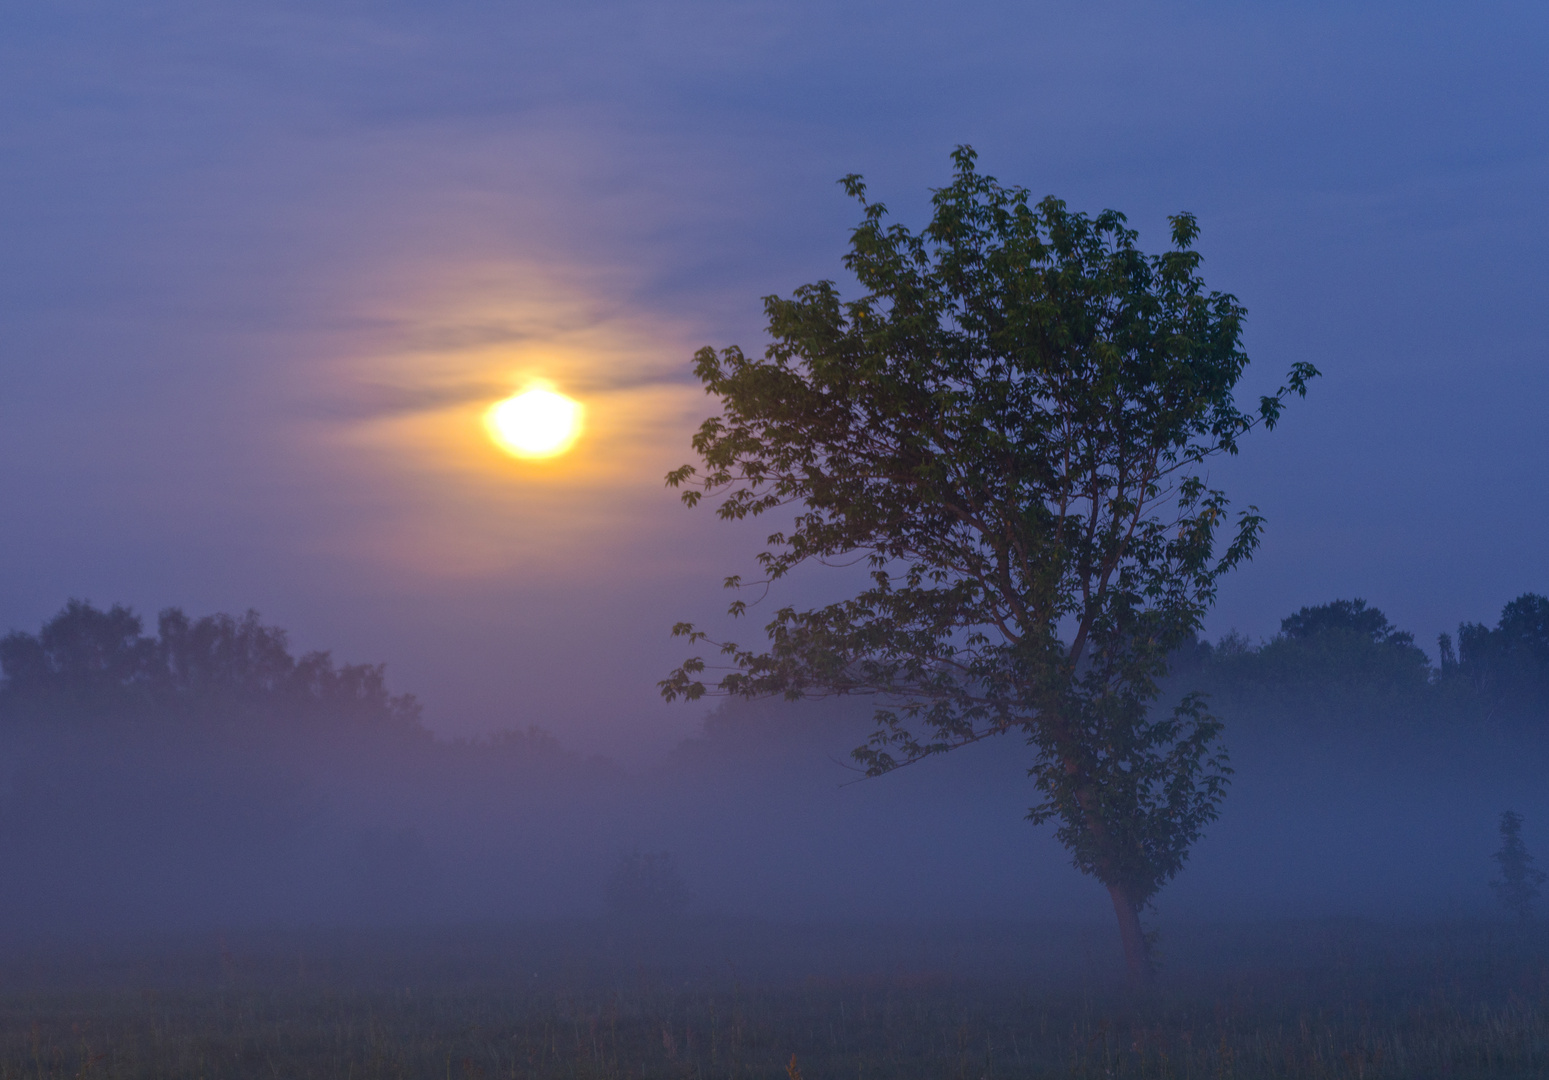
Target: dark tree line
point(206, 771)
point(1344, 664)
point(86, 662)
point(1340, 664)
point(1507, 666)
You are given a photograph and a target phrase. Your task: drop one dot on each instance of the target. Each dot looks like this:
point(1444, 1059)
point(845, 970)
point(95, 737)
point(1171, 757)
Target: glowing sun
point(536, 423)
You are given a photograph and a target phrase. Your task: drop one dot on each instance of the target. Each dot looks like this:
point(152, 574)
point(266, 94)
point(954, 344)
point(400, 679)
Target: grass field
point(591, 1001)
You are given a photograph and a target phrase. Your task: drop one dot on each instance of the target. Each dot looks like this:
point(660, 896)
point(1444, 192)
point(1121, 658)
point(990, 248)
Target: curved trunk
point(1137, 953)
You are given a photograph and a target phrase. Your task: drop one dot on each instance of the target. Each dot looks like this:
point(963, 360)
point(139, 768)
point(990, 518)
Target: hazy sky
point(264, 264)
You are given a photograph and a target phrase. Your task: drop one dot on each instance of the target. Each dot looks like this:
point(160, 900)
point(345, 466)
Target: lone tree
point(1008, 428)
point(1517, 887)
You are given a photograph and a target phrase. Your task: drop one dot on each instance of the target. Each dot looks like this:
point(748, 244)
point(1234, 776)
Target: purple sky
point(263, 263)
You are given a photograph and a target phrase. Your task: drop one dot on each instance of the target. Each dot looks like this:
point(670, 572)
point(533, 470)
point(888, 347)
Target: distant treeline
point(1341, 660)
point(1345, 664)
point(205, 774)
point(86, 662)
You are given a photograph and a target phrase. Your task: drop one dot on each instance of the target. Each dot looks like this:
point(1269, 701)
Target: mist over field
point(1036, 366)
point(195, 775)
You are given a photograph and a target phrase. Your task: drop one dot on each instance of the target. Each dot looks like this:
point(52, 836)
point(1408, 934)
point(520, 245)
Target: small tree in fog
point(1008, 430)
point(646, 885)
point(1517, 887)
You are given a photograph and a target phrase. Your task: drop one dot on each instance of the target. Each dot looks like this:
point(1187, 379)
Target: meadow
point(733, 999)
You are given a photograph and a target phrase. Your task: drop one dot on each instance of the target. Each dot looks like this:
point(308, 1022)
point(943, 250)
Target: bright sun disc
point(536, 423)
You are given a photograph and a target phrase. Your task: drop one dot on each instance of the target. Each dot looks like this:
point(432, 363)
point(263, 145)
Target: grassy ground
point(1288, 1001)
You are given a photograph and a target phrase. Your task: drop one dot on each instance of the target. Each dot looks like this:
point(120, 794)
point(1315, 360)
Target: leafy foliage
point(1344, 616)
point(1008, 429)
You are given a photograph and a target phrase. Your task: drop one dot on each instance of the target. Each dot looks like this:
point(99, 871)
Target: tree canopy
point(89, 661)
point(1344, 616)
point(1506, 666)
point(1008, 429)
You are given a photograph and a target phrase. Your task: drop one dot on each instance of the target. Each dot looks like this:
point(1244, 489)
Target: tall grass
point(1415, 1013)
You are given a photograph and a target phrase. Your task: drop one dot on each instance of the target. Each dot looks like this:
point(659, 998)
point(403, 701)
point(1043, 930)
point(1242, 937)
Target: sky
point(265, 265)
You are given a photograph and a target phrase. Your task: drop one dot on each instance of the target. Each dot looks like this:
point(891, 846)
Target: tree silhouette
point(1349, 616)
point(86, 661)
point(1008, 430)
point(82, 652)
point(1517, 887)
point(1506, 667)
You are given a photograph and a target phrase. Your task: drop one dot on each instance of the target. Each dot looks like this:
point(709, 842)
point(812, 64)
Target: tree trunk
point(1137, 953)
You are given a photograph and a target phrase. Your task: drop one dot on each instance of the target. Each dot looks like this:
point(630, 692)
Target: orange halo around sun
point(538, 422)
